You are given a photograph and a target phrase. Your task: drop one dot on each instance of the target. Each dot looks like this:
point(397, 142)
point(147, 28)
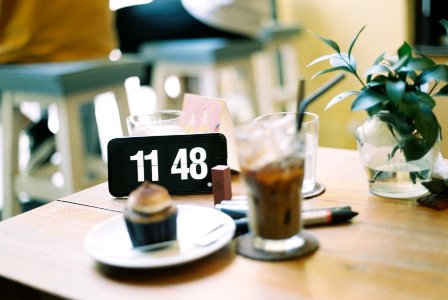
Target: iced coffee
point(275, 199)
point(271, 155)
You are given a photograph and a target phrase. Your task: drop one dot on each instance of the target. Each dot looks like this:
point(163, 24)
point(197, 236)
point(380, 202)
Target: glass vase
point(388, 171)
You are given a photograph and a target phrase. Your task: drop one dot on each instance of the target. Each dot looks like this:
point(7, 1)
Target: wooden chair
point(68, 86)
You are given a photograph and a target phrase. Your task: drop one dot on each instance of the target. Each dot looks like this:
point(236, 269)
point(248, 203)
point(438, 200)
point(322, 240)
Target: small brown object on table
point(221, 183)
point(392, 249)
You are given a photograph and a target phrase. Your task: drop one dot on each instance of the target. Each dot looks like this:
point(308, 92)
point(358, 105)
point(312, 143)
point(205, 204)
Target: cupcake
point(150, 215)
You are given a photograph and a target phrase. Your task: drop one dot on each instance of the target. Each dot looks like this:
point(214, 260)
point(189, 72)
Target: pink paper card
point(207, 114)
point(201, 114)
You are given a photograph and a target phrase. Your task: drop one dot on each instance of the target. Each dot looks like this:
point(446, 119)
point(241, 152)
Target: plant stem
point(433, 87)
point(353, 71)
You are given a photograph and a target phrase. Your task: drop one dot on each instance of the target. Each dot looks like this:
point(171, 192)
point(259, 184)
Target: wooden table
point(394, 249)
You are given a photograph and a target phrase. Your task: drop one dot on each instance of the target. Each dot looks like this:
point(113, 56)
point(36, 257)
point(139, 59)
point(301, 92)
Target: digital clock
point(180, 163)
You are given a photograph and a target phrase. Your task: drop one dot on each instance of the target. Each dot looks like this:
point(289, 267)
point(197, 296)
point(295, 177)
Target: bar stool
point(205, 59)
point(68, 86)
point(268, 62)
point(277, 68)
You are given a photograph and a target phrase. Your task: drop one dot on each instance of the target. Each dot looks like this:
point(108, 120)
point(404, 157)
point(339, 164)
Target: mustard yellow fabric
point(55, 30)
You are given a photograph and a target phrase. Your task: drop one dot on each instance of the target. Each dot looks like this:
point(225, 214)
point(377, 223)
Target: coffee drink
point(275, 192)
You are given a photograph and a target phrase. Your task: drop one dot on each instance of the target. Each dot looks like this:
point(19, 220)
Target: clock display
point(181, 163)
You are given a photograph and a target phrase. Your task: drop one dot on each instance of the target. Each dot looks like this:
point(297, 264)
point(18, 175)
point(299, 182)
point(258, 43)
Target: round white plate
point(109, 242)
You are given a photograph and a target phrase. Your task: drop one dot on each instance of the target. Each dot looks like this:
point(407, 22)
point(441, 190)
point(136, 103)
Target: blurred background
point(388, 24)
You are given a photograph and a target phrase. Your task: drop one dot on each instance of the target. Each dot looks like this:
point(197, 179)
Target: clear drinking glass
point(163, 122)
point(310, 127)
point(271, 155)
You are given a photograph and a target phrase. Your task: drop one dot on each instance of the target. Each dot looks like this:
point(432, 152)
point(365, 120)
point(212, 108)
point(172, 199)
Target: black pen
point(237, 211)
point(310, 218)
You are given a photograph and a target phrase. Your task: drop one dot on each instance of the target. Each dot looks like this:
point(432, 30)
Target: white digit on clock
point(198, 161)
point(153, 157)
point(180, 164)
point(141, 165)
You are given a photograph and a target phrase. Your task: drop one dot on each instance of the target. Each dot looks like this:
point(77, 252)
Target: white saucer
point(109, 241)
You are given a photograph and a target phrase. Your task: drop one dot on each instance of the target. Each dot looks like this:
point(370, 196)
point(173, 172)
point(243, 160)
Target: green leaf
point(395, 90)
point(413, 147)
point(340, 97)
point(426, 123)
point(342, 59)
point(375, 84)
point(413, 177)
point(442, 92)
point(373, 110)
point(376, 62)
point(404, 50)
point(418, 63)
point(419, 175)
point(368, 98)
point(375, 69)
point(377, 175)
point(416, 145)
point(394, 150)
point(379, 58)
point(445, 24)
point(354, 41)
point(330, 43)
point(341, 68)
point(319, 59)
point(414, 102)
point(415, 139)
point(411, 75)
point(426, 100)
point(396, 121)
point(378, 80)
point(401, 62)
point(437, 73)
point(409, 106)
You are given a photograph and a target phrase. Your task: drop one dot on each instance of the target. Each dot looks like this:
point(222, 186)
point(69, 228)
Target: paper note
point(208, 114)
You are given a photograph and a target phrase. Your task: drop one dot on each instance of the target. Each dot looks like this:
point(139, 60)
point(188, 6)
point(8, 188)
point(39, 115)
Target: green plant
point(399, 90)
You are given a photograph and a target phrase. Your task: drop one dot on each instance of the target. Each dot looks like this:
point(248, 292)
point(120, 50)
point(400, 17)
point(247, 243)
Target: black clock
point(180, 163)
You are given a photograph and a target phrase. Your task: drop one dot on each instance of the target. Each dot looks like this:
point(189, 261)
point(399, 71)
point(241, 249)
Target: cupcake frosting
point(149, 198)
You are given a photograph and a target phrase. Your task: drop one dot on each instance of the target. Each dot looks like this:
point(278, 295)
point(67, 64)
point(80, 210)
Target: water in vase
point(401, 180)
